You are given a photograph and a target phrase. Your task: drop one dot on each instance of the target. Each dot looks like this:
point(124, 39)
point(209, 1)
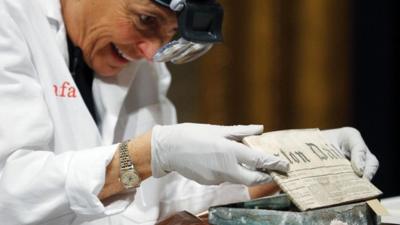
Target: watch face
point(129, 179)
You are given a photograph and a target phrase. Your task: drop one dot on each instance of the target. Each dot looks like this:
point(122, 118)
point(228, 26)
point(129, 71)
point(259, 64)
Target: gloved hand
point(349, 141)
point(210, 154)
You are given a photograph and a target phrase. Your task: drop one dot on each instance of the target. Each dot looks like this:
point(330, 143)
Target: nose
point(148, 48)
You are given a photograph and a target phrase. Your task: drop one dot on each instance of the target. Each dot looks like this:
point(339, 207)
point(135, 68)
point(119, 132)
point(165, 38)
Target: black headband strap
point(164, 2)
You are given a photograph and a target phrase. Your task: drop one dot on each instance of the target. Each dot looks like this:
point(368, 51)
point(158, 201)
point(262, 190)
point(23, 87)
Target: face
point(114, 32)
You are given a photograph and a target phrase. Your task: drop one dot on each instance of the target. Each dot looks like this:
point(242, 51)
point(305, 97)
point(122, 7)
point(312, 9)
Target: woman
point(65, 122)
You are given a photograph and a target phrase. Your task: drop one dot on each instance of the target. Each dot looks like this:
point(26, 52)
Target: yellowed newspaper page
point(319, 174)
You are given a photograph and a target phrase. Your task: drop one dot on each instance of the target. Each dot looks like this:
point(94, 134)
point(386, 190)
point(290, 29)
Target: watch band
point(125, 161)
point(128, 174)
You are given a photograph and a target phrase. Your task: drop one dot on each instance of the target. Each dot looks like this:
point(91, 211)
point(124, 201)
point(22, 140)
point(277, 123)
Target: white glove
point(349, 141)
point(210, 154)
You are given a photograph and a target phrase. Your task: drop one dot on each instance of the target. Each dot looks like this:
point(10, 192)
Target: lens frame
point(181, 51)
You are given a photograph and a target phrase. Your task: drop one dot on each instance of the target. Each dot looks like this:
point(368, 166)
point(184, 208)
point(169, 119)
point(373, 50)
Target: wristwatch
point(128, 175)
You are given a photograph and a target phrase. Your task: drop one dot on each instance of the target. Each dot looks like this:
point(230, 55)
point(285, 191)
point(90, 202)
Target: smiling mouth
point(120, 53)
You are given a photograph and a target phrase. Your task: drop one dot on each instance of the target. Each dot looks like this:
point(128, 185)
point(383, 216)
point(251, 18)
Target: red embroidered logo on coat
point(65, 90)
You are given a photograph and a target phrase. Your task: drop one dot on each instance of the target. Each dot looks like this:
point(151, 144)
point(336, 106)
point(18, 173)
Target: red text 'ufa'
point(65, 90)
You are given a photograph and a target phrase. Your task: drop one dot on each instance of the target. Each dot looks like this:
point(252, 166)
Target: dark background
point(376, 93)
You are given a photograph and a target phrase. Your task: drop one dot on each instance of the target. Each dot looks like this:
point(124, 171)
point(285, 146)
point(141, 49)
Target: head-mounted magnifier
point(199, 27)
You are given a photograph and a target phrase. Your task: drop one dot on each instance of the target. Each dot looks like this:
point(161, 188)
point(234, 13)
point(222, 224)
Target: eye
point(147, 20)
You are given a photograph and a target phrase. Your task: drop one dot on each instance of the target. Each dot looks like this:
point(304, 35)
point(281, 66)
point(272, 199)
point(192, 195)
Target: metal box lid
point(277, 210)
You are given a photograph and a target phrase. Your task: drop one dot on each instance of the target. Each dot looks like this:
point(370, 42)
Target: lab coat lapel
point(74, 126)
point(109, 95)
point(52, 10)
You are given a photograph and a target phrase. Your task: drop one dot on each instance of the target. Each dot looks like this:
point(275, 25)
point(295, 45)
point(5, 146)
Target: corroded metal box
point(277, 210)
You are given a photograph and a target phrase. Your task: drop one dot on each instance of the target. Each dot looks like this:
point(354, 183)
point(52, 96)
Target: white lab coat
point(53, 155)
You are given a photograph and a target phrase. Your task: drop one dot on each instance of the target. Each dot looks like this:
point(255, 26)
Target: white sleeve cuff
point(85, 180)
point(230, 193)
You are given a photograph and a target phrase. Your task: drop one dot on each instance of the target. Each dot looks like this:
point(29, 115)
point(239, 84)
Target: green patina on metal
point(278, 210)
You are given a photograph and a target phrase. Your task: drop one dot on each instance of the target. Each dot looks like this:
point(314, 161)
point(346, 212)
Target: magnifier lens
point(199, 26)
point(191, 53)
point(171, 50)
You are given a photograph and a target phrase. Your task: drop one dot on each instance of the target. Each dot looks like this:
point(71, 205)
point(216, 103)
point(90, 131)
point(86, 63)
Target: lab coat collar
point(52, 10)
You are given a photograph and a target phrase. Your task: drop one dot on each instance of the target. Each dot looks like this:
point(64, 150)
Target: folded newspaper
point(319, 175)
